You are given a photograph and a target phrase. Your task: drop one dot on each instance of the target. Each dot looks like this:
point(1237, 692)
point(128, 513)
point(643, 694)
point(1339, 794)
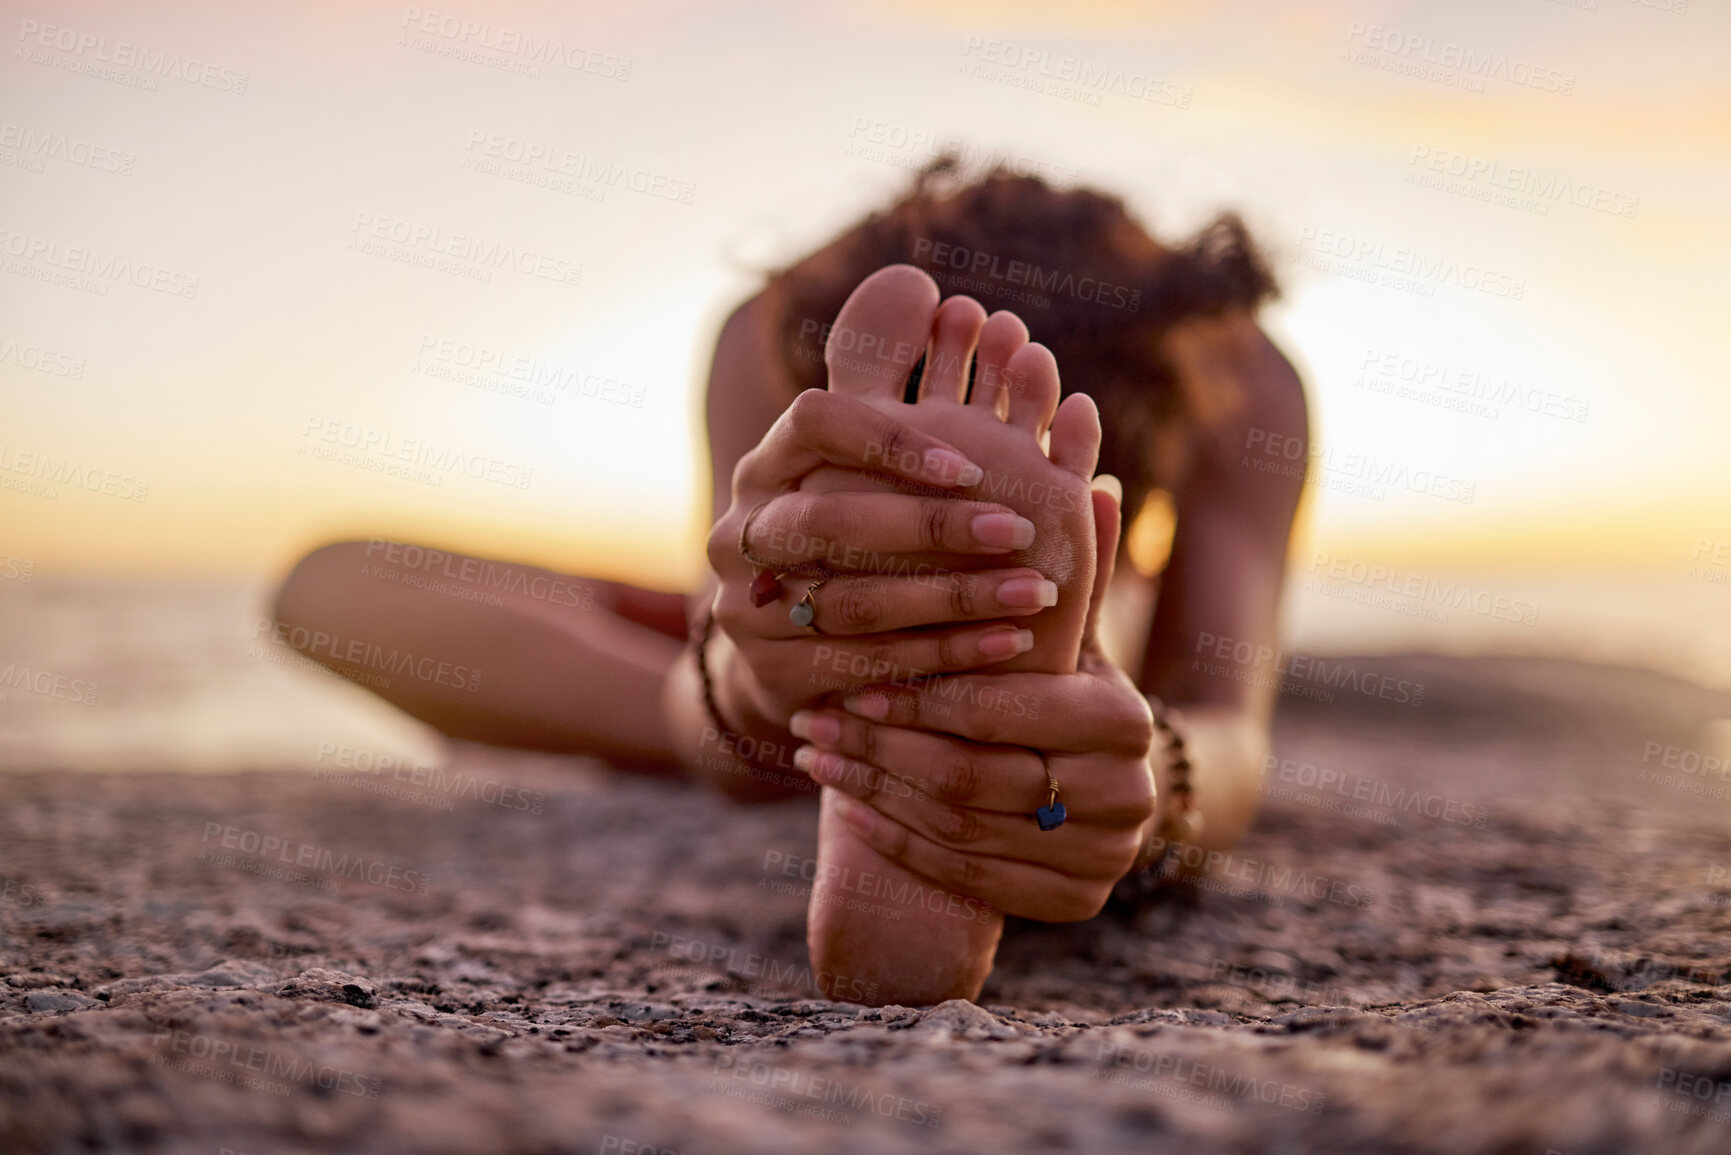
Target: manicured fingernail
point(1027, 594)
point(1006, 643)
point(946, 465)
point(818, 728)
point(859, 816)
point(868, 706)
point(1003, 531)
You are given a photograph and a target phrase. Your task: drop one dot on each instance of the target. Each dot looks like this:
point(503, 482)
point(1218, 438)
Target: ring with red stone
point(765, 584)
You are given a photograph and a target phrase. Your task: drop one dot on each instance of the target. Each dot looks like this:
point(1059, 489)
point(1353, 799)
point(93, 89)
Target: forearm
point(502, 667)
point(732, 746)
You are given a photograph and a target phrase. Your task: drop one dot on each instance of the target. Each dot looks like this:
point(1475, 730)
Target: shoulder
point(1251, 426)
point(1237, 382)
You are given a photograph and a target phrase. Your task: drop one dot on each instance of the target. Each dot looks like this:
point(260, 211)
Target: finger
point(1053, 712)
point(863, 532)
point(1076, 849)
point(875, 604)
point(1008, 779)
point(1002, 335)
point(822, 427)
point(955, 332)
point(1016, 888)
point(1108, 497)
point(825, 664)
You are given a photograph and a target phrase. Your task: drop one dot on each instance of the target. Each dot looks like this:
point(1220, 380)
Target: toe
point(881, 332)
point(1076, 436)
point(1033, 375)
point(954, 335)
point(1002, 335)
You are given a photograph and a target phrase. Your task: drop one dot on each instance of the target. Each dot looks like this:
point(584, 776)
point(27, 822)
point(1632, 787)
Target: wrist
point(742, 751)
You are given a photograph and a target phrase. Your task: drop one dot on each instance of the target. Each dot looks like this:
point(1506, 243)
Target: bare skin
point(573, 677)
point(887, 927)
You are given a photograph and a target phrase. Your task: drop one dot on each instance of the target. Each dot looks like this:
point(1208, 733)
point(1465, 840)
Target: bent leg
point(491, 651)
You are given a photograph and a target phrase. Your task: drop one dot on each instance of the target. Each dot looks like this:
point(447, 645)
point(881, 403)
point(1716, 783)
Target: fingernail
point(1003, 531)
point(1006, 644)
point(871, 706)
point(947, 465)
point(1027, 594)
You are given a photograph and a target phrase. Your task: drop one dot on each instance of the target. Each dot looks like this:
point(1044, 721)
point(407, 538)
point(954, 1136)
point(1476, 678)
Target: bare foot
point(872, 925)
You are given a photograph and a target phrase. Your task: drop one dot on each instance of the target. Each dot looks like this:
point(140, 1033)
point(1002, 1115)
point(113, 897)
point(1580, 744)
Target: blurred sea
point(134, 675)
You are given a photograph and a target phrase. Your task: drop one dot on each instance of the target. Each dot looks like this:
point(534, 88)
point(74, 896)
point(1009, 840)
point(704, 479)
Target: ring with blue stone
point(1052, 814)
point(803, 613)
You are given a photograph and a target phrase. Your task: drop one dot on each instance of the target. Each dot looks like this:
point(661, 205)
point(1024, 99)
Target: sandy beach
point(1495, 920)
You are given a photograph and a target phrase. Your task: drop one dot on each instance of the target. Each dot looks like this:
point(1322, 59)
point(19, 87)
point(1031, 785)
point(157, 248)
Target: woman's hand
point(945, 780)
point(867, 610)
point(944, 777)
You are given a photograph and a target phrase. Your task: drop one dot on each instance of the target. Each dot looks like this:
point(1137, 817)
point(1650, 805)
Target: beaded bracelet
point(701, 641)
point(1182, 822)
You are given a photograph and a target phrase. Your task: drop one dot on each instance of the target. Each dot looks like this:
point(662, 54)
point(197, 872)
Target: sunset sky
point(1545, 182)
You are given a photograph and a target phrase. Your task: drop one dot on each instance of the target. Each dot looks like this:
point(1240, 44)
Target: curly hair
point(1090, 282)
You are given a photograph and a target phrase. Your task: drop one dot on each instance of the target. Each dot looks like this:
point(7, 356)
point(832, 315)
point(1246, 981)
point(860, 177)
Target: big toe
point(881, 332)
